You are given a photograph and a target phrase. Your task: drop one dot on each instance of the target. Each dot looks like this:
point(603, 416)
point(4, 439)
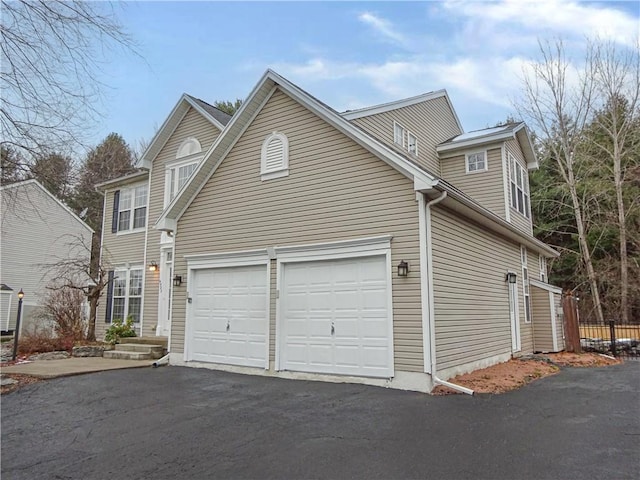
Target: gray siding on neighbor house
point(431, 121)
point(36, 233)
point(118, 250)
point(485, 187)
point(192, 125)
point(517, 219)
point(336, 190)
point(470, 294)
point(543, 334)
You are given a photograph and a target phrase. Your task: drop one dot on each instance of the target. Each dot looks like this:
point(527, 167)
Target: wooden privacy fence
point(571, 326)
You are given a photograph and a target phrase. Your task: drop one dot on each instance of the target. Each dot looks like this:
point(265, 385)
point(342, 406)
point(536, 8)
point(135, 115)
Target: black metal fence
point(611, 338)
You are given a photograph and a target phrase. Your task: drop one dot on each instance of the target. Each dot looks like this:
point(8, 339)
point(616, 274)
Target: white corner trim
point(505, 184)
point(227, 259)
point(554, 327)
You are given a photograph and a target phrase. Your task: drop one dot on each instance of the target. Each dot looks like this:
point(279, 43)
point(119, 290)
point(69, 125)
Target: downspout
point(432, 315)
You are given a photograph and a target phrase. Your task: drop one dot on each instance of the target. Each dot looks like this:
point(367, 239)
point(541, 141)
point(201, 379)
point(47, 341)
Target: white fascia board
point(545, 286)
point(473, 142)
point(387, 107)
point(131, 178)
point(527, 146)
point(204, 113)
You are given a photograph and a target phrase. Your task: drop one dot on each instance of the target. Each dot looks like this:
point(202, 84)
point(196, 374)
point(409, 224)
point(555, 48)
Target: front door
point(164, 292)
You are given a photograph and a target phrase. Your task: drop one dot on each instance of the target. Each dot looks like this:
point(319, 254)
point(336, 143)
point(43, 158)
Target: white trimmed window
point(543, 268)
point(525, 285)
point(132, 208)
point(274, 158)
point(476, 162)
point(399, 133)
point(412, 143)
point(188, 147)
point(127, 294)
point(519, 181)
point(177, 176)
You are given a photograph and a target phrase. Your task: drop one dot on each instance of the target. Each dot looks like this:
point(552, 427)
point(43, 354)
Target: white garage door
point(335, 317)
point(228, 316)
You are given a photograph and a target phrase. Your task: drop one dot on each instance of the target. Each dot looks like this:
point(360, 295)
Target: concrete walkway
point(72, 366)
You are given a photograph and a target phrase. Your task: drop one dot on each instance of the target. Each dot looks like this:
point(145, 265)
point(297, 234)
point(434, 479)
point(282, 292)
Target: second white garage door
point(229, 316)
point(335, 317)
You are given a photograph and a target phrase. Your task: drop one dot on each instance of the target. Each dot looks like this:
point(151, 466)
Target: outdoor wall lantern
point(153, 267)
point(510, 277)
point(403, 269)
point(177, 280)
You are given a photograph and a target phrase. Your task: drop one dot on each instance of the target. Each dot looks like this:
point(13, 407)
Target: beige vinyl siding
point(471, 297)
point(543, 337)
point(336, 190)
point(485, 187)
point(431, 121)
point(517, 219)
point(118, 250)
point(192, 125)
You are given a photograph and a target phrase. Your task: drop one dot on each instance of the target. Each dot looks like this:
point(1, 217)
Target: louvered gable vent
point(275, 156)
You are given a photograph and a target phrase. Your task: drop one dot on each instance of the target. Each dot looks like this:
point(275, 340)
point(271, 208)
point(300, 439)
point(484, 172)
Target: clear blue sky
point(348, 54)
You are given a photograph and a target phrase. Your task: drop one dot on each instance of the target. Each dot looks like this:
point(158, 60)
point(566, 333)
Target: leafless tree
point(51, 53)
point(617, 75)
point(557, 103)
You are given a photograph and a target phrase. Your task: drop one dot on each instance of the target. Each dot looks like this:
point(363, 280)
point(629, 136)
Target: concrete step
point(156, 351)
point(122, 355)
point(146, 340)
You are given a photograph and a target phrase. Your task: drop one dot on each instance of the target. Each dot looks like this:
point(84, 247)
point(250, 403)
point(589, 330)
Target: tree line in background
point(585, 197)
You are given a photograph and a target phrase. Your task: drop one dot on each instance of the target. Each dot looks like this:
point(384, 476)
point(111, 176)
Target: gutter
point(432, 315)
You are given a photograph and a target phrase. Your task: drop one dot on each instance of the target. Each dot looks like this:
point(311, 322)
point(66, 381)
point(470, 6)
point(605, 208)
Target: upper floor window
point(190, 146)
point(405, 139)
point(519, 187)
point(476, 162)
point(274, 158)
point(543, 268)
point(177, 176)
point(130, 209)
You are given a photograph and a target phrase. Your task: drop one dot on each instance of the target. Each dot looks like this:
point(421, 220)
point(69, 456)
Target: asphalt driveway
point(185, 423)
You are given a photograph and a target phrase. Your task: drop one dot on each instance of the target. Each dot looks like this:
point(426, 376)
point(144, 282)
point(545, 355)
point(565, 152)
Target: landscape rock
point(50, 356)
point(4, 381)
point(88, 351)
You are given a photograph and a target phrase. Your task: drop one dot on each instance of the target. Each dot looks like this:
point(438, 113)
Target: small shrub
point(119, 330)
point(43, 340)
point(64, 307)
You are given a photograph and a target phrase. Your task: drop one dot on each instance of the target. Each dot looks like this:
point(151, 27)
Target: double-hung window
point(399, 134)
point(405, 139)
point(126, 294)
point(519, 187)
point(132, 208)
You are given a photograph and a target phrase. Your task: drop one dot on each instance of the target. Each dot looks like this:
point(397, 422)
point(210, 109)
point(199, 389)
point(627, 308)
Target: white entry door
point(335, 317)
point(229, 316)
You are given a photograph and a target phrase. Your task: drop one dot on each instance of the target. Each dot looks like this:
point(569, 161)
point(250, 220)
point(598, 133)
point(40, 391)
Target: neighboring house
point(382, 245)
point(38, 230)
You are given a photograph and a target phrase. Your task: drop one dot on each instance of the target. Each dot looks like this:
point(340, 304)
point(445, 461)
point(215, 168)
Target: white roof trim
point(169, 126)
point(57, 200)
point(406, 102)
point(123, 179)
point(545, 286)
point(472, 142)
point(268, 81)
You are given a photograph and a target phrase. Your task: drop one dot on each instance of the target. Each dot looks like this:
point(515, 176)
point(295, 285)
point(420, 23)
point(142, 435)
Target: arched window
point(275, 156)
point(188, 147)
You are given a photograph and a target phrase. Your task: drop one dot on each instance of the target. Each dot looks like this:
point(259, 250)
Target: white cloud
point(555, 16)
point(383, 27)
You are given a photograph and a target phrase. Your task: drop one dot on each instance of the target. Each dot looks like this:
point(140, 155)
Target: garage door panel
point(229, 319)
point(352, 296)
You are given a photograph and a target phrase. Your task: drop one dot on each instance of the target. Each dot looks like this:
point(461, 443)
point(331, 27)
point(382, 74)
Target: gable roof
point(406, 102)
point(37, 184)
point(216, 117)
point(243, 118)
point(476, 138)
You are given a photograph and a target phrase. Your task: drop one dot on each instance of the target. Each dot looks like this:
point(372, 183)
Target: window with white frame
point(476, 162)
point(543, 268)
point(412, 143)
point(274, 157)
point(127, 294)
point(399, 133)
point(519, 181)
point(176, 176)
point(132, 208)
point(525, 285)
